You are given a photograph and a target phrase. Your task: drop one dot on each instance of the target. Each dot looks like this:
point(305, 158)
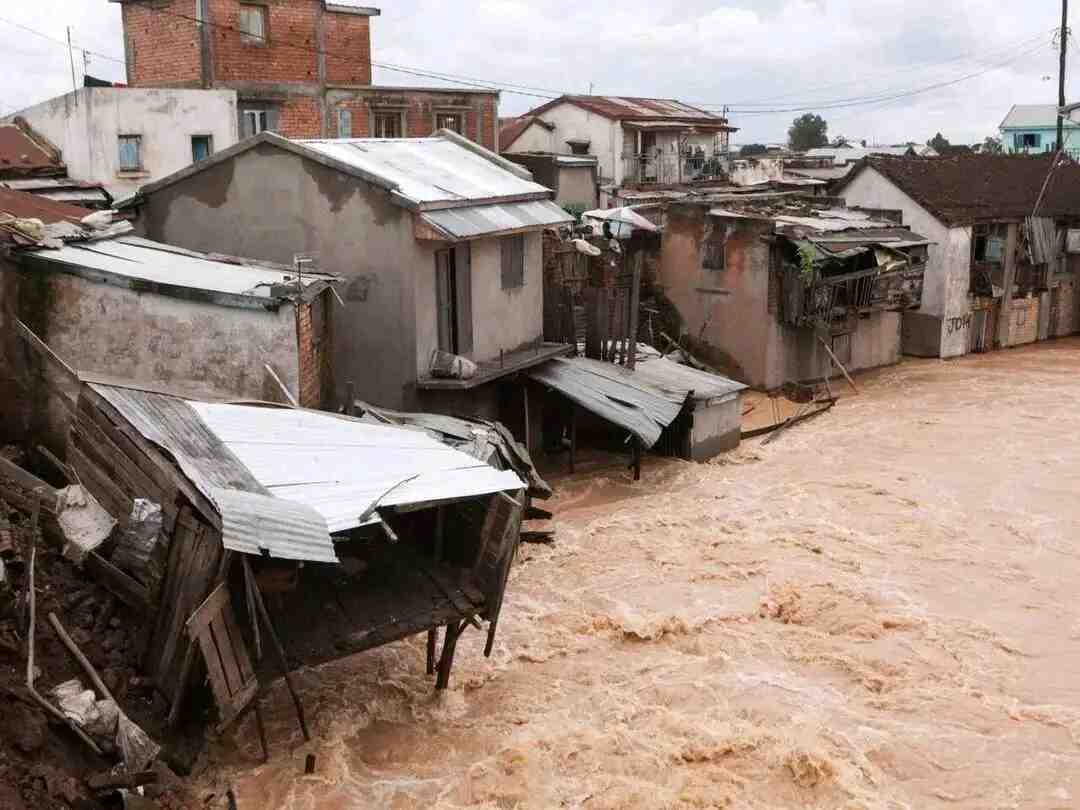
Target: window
point(386, 125)
point(344, 123)
point(1027, 140)
point(252, 24)
point(255, 121)
point(130, 153)
point(989, 243)
point(714, 253)
point(513, 262)
point(451, 121)
point(202, 147)
point(453, 299)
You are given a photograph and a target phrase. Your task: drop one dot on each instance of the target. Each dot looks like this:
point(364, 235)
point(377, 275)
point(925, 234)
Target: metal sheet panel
point(613, 393)
point(343, 467)
point(678, 380)
point(487, 220)
point(285, 529)
point(137, 258)
point(427, 170)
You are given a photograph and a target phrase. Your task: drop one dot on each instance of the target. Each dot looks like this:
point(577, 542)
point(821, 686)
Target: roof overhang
point(463, 223)
point(663, 125)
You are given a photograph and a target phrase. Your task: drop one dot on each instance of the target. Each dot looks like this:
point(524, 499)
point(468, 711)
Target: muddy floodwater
point(880, 609)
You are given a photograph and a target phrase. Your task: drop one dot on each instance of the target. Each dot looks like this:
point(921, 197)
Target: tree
point(992, 146)
point(751, 149)
point(808, 132)
point(939, 143)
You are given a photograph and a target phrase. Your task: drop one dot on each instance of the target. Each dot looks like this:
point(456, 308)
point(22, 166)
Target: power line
point(43, 35)
point(863, 80)
point(867, 100)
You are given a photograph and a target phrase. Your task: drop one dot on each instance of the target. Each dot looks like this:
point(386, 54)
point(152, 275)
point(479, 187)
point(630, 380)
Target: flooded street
point(877, 610)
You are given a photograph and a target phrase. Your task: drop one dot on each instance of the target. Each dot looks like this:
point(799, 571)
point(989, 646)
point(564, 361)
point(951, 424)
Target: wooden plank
point(138, 482)
point(225, 649)
point(12, 471)
point(166, 481)
point(109, 495)
point(243, 660)
point(205, 613)
point(212, 657)
point(123, 587)
point(158, 459)
point(42, 350)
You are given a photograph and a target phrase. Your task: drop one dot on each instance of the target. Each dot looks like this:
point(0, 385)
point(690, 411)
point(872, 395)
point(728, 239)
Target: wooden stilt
point(446, 662)
point(431, 636)
point(573, 436)
point(261, 728)
point(280, 650)
point(637, 459)
point(528, 431)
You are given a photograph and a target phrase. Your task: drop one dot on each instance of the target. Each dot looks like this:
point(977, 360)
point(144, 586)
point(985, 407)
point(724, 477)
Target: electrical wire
point(43, 35)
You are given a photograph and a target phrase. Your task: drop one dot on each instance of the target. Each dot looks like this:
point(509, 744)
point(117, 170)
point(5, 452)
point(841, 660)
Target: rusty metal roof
point(630, 108)
point(488, 220)
point(24, 153)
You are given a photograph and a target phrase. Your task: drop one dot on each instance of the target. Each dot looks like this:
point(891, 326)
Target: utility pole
point(1064, 37)
point(75, 85)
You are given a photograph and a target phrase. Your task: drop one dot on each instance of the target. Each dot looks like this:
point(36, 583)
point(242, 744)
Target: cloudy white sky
point(827, 55)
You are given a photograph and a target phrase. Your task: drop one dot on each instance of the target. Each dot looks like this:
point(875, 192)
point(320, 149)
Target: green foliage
point(992, 146)
point(751, 149)
point(808, 131)
point(806, 264)
point(576, 210)
point(940, 143)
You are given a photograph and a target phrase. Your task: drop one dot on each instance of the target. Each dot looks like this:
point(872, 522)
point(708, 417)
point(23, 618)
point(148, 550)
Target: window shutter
point(463, 288)
point(443, 301)
point(507, 262)
point(344, 126)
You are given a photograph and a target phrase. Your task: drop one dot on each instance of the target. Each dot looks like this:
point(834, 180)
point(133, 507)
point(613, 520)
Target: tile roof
point(963, 189)
point(24, 153)
point(510, 129)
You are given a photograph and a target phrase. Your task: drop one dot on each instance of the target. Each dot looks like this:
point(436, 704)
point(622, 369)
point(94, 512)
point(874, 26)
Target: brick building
point(300, 67)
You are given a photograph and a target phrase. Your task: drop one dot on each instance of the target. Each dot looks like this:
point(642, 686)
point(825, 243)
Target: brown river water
point(880, 609)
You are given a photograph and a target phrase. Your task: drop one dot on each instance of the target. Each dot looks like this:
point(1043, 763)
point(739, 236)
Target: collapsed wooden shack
point(269, 511)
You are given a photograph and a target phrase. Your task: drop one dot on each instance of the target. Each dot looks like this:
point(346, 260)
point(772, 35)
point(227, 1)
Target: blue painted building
point(1032, 128)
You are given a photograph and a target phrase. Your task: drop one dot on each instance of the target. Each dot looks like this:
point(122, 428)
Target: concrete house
point(124, 137)
point(115, 306)
point(30, 162)
point(765, 288)
point(438, 240)
point(573, 178)
point(998, 273)
point(301, 68)
point(636, 140)
point(1032, 128)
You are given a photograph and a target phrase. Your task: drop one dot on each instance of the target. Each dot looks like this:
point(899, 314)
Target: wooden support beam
point(446, 662)
point(839, 365)
point(432, 635)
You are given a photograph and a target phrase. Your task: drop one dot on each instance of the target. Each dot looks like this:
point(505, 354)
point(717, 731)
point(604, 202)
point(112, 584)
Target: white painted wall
point(948, 268)
point(85, 126)
point(502, 319)
point(605, 137)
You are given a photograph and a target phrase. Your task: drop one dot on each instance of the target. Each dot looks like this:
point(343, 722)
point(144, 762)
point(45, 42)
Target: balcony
point(671, 169)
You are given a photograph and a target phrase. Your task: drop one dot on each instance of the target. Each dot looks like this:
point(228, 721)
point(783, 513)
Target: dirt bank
point(875, 611)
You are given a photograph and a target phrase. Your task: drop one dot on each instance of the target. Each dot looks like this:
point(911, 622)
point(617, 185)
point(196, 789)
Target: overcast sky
point(751, 54)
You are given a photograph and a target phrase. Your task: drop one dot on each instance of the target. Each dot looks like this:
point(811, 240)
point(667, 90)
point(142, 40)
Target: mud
point(877, 610)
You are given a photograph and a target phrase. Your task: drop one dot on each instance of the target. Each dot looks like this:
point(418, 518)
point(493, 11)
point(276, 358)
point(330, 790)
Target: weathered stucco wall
point(948, 268)
point(730, 332)
point(270, 204)
point(577, 186)
point(85, 126)
point(717, 428)
point(198, 347)
point(571, 121)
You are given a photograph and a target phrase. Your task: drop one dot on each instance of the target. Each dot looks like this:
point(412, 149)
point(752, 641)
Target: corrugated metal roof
point(678, 379)
point(427, 170)
point(137, 258)
point(1034, 116)
point(284, 479)
point(481, 220)
point(628, 107)
point(613, 393)
point(341, 467)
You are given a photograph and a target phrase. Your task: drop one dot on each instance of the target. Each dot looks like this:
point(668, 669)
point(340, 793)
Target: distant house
point(1032, 128)
point(998, 273)
point(573, 178)
point(31, 162)
point(124, 137)
point(438, 241)
point(846, 154)
point(636, 140)
point(767, 286)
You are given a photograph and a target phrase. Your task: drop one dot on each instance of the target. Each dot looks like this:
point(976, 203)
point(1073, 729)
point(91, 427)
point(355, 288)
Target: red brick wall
point(301, 117)
point(315, 373)
point(347, 39)
point(420, 111)
point(359, 112)
point(289, 54)
point(162, 49)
